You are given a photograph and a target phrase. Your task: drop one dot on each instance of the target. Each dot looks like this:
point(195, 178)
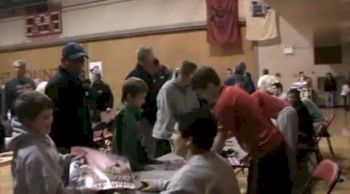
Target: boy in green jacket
point(127, 136)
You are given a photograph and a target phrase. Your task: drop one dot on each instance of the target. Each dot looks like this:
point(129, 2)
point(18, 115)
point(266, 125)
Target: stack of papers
point(100, 171)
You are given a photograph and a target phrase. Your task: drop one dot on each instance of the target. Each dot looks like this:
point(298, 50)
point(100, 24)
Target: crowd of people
point(189, 112)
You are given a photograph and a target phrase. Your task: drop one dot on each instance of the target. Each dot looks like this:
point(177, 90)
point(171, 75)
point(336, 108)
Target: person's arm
point(183, 182)
point(176, 185)
point(65, 160)
point(260, 82)
point(154, 185)
point(166, 114)
point(110, 102)
point(32, 83)
point(128, 148)
point(46, 181)
point(225, 115)
point(269, 104)
point(51, 91)
point(308, 118)
point(6, 102)
point(247, 110)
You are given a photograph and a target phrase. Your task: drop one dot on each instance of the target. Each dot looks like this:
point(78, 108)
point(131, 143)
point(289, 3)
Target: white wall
point(270, 56)
point(90, 17)
point(12, 31)
point(131, 15)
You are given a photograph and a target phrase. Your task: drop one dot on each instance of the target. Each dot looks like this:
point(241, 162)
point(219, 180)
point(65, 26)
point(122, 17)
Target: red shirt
point(238, 113)
point(270, 105)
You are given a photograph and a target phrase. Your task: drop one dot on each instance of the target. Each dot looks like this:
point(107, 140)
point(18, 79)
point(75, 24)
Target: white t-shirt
point(203, 174)
point(345, 90)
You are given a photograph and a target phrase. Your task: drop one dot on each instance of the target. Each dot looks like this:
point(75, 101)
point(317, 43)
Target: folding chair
point(324, 133)
point(327, 171)
point(313, 148)
point(238, 164)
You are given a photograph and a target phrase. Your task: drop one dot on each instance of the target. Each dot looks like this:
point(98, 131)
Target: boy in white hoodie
point(37, 167)
point(205, 172)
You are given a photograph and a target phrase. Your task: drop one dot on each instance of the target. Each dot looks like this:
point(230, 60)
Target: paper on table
point(100, 171)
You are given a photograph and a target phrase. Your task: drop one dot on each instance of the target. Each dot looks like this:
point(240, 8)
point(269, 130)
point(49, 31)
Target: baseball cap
point(19, 63)
point(73, 51)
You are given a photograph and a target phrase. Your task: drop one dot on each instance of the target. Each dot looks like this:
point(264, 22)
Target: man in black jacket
point(13, 88)
point(146, 70)
point(101, 96)
point(71, 125)
point(154, 75)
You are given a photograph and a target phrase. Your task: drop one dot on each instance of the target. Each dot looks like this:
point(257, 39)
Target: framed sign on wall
point(44, 24)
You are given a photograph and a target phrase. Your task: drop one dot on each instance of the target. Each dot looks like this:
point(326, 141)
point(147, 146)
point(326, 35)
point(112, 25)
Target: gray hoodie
point(172, 101)
point(206, 173)
point(37, 167)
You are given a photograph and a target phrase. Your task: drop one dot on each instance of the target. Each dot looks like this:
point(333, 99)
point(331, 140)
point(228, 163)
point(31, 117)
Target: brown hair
point(203, 77)
point(30, 104)
point(133, 86)
point(188, 68)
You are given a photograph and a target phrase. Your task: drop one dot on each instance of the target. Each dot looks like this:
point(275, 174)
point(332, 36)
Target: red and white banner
point(223, 24)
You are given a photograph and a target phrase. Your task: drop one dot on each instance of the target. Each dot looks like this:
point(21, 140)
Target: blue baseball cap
point(73, 51)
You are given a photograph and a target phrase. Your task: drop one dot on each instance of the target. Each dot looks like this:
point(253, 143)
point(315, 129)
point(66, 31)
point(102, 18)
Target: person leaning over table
point(205, 172)
point(239, 115)
point(174, 98)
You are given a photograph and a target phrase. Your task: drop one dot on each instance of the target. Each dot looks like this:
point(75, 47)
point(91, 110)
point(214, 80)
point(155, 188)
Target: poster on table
point(100, 171)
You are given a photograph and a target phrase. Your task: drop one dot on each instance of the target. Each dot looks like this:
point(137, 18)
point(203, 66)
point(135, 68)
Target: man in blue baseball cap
point(71, 125)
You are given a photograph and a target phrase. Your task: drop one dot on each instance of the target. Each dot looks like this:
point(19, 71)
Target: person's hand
point(245, 159)
point(90, 191)
point(78, 152)
point(148, 186)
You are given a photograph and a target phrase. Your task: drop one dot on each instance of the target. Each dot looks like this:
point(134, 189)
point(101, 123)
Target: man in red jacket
point(239, 115)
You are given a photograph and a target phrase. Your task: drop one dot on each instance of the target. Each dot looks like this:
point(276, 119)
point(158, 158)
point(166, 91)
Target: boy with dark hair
point(239, 115)
point(127, 138)
point(37, 167)
point(277, 90)
point(306, 128)
point(205, 172)
point(174, 98)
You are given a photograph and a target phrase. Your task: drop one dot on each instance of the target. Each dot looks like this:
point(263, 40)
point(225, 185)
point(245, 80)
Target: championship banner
point(222, 22)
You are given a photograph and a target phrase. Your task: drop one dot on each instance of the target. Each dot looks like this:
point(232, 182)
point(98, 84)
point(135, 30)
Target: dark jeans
point(161, 147)
point(271, 173)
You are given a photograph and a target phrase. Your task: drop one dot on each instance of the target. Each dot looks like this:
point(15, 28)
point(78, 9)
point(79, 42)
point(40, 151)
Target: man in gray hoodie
point(37, 167)
point(174, 98)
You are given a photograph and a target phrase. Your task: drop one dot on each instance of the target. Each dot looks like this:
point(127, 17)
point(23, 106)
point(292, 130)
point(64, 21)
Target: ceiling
point(326, 21)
